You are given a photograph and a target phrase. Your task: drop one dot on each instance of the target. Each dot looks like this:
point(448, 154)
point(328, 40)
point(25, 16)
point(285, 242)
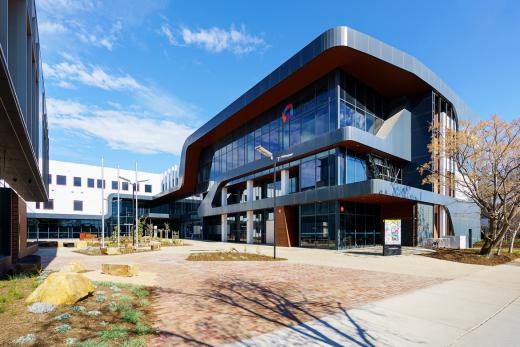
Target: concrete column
point(249, 190)
point(284, 175)
point(223, 227)
point(4, 25)
point(223, 201)
point(249, 226)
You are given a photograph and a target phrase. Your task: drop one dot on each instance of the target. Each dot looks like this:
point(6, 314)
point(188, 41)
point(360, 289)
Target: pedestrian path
point(481, 309)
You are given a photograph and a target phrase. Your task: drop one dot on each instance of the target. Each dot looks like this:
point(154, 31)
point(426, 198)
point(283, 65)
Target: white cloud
point(70, 72)
point(66, 6)
point(98, 36)
point(166, 31)
point(122, 130)
point(46, 27)
point(217, 39)
point(94, 76)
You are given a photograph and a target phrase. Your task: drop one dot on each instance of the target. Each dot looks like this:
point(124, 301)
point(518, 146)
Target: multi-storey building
point(347, 119)
point(24, 147)
point(76, 192)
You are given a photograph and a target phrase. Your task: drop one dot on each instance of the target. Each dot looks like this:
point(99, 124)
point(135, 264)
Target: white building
point(75, 197)
point(170, 178)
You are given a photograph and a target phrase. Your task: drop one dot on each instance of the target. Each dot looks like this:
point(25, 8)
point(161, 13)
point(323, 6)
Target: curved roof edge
point(341, 36)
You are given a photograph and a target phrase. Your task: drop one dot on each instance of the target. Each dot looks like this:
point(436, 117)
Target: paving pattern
point(215, 303)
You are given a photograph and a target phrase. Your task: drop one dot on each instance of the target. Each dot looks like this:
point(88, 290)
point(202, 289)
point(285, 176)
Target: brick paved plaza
point(213, 303)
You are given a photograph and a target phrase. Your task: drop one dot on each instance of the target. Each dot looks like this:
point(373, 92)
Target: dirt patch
point(230, 256)
point(471, 256)
point(115, 314)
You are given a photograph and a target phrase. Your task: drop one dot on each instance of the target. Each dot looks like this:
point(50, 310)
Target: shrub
point(144, 302)
point(63, 328)
point(134, 343)
point(126, 299)
point(115, 332)
point(26, 339)
point(78, 308)
point(132, 316)
point(143, 329)
point(91, 343)
point(61, 317)
point(94, 313)
point(140, 292)
point(101, 299)
point(41, 307)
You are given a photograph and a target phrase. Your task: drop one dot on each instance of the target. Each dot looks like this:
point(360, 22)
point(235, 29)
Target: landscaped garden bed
point(472, 256)
point(115, 314)
point(232, 255)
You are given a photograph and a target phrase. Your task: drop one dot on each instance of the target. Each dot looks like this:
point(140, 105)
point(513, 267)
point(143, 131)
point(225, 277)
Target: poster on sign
point(392, 244)
point(392, 231)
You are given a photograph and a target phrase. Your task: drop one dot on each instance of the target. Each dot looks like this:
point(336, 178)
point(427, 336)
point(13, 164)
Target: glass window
point(360, 170)
point(124, 185)
point(294, 138)
point(48, 205)
point(307, 175)
point(50, 179)
point(360, 119)
point(77, 181)
point(78, 205)
point(370, 123)
point(307, 127)
point(61, 180)
point(322, 172)
point(114, 185)
point(148, 188)
point(346, 114)
point(274, 139)
point(99, 183)
point(90, 182)
point(37, 205)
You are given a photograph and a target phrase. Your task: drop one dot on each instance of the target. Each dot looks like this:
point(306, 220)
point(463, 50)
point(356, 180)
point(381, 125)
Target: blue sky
point(130, 80)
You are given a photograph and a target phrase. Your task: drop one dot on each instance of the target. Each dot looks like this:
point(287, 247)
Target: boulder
point(155, 246)
point(61, 288)
point(119, 270)
point(110, 251)
point(74, 266)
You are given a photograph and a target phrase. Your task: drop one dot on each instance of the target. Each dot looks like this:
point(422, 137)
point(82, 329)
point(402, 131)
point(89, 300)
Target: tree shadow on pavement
point(230, 310)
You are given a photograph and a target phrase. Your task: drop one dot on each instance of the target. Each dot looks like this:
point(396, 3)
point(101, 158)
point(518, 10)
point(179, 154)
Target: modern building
point(24, 148)
point(76, 192)
point(347, 119)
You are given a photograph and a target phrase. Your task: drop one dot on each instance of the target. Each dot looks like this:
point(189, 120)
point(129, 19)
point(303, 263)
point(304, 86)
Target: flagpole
point(118, 208)
point(102, 203)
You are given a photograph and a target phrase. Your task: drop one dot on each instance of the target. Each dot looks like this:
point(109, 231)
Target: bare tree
point(487, 157)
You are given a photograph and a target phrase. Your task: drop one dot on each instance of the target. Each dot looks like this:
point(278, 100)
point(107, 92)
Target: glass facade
point(317, 225)
point(43, 228)
point(359, 225)
point(303, 116)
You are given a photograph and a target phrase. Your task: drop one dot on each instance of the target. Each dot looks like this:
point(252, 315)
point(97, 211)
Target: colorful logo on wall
point(287, 113)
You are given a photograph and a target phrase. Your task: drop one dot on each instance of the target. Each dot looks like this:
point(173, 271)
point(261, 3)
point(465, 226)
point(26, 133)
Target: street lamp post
point(268, 154)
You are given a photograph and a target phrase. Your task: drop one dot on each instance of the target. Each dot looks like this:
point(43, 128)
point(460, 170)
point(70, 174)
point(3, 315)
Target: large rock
point(155, 246)
point(110, 251)
point(62, 288)
point(119, 270)
point(74, 266)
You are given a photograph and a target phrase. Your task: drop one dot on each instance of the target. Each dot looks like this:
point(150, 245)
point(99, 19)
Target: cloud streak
point(216, 40)
point(71, 72)
point(121, 130)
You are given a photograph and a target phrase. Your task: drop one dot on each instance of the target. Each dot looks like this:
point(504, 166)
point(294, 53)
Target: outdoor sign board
point(392, 244)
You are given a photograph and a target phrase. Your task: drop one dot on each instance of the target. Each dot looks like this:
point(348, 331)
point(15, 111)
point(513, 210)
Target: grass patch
point(230, 256)
point(143, 329)
point(144, 302)
point(114, 333)
point(126, 299)
point(140, 292)
point(132, 316)
point(92, 343)
point(134, 343)
point(471, 256)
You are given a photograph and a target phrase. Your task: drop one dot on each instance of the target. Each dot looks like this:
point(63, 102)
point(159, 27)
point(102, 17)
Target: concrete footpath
point(479, 309)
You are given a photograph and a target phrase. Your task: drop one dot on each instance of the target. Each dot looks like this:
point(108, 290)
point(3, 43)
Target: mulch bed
point(471, 256)
point(114, 315)
point(230, 256)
